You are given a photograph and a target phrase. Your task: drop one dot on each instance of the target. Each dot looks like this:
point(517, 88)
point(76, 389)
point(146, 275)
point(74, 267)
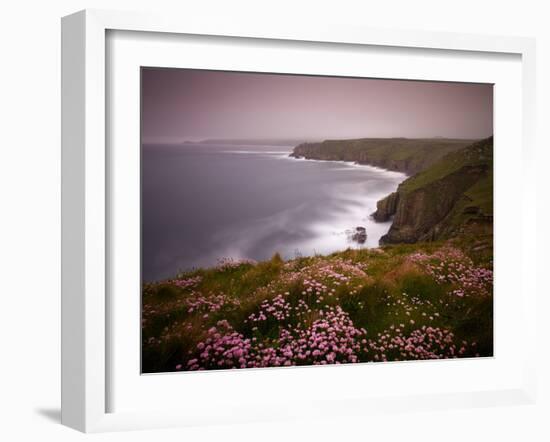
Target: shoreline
point(350, 163)
point(404, 155)
point(371, 166)
point(329, 233)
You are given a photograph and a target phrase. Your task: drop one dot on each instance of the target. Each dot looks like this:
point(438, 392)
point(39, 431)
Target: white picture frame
point(86, 201)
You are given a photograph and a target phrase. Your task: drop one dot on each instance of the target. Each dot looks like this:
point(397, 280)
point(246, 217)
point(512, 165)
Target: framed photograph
point(266, 222)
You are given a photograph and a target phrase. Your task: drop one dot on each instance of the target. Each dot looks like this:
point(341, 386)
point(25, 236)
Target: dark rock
point(359, 235)
point(420, 213)
point(471, 210)
point(386, 208)
point(440, 206)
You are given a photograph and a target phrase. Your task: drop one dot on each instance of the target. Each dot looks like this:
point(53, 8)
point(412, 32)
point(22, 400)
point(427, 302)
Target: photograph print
point(300, 220)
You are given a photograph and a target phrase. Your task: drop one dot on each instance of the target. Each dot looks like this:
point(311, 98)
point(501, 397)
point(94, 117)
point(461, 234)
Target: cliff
point(452, 196)
point(386, 207)
point(398, 154)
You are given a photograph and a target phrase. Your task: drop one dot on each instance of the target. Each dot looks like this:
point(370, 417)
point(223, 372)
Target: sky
point(189, 105)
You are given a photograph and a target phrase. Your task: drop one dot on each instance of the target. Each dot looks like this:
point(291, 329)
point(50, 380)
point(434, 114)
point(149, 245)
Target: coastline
point(373, 215)
point(313, 210)
point(446, 191)
point(352, 163)
point(405, 155)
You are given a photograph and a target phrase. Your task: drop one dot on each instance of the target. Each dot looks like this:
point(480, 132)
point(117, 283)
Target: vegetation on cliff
point(400, 302)
point(453, 197)
point(398, 154)
point(449, 192)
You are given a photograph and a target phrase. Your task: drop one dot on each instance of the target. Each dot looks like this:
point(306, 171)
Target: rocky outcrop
point(443, 201)
point(449, 190)
point(386, 207)
point(420, 215)
point(359, 235)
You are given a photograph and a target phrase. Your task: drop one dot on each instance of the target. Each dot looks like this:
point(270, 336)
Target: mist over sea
point(201, 203)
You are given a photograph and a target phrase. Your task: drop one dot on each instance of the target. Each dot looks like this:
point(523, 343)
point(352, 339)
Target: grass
point(481, 194)
point(451, 198)
point(478, 154)
point(401, 154)
point(399, 302)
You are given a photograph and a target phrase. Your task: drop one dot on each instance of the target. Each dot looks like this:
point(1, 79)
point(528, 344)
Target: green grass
point(385, 288)
point(478, 154)
point(450, 199)
point(481, 194)
point(401, 154)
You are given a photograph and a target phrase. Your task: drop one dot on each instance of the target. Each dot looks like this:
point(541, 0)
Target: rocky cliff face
point(450, 189)
point(386, 207)
point(450, 196)
point(421, 214)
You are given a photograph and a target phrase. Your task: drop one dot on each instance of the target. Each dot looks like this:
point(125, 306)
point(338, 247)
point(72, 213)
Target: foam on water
point(204, 203)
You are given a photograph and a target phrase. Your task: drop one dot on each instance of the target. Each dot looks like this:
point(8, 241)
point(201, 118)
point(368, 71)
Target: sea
point(202, 204)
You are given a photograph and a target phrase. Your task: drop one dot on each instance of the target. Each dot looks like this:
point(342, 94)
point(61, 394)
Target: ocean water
point(202, 203)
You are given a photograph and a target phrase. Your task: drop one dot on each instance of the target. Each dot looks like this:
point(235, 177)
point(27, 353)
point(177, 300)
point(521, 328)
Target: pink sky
point(182, 104)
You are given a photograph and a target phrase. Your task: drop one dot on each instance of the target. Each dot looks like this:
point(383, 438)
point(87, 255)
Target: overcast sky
point(181, 104)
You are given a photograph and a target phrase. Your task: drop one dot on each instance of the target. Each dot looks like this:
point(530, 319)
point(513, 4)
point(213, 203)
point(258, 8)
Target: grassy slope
point(479, 153)
point(386, 288)
point(476, 204)
point(400, 154)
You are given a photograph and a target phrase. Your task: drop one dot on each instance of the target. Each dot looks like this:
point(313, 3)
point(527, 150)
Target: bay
point(205, 202)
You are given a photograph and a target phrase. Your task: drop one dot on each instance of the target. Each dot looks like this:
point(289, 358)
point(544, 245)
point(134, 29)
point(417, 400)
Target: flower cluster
point(394, 344)
point(207, 304)
point(451, 266)
point(412, 306)
point(223, 348)
point(331, 339)
point(277, 308)
point(187, 282)
point(319, 311)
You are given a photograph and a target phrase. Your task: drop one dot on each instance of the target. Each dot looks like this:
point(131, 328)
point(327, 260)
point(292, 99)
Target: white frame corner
point(84, 199)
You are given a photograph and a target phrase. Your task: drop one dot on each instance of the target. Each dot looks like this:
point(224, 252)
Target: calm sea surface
point(201, 203)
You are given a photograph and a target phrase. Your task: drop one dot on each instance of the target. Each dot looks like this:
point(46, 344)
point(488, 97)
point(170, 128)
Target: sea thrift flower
point(451, 266)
